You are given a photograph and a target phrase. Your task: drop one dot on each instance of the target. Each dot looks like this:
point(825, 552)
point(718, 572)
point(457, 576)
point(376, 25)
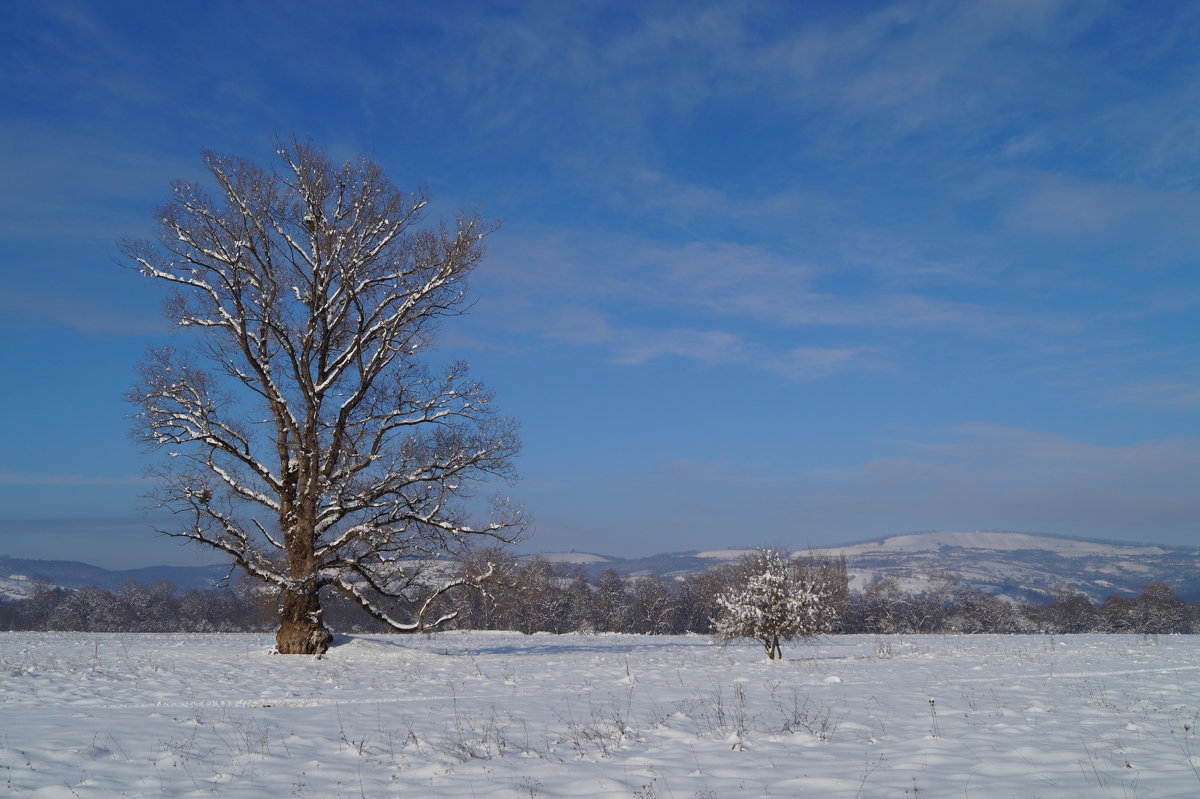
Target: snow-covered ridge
point(998, 542)
point(1014, 566)
point(724, 554)
point(16, 586)
point(573, 557)
point(1018, 566)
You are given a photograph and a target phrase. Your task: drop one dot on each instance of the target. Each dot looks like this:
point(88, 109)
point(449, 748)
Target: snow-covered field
point(505, 715)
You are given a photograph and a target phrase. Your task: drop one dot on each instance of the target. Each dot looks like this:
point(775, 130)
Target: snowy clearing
point(505, 715)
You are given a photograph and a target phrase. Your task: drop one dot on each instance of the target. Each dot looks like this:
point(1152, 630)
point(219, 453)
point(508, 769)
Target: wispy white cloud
point(1177, 394)
point(982, 474)
point(82, 184)
point(1105, 211)
point(951, 67)
point(710, 347)
point(18, 478)
point(631, 295)
point(803, 364)
point(638, 346)
point(65, 308)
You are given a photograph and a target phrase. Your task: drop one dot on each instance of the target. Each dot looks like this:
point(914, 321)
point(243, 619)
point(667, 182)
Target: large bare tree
point(307, 440)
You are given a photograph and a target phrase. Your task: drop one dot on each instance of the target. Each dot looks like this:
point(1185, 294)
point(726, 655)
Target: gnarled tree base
point(302, 630)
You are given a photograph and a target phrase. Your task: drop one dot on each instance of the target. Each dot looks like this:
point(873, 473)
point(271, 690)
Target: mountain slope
point(1016, 566)
point(18, 576)
point(1023, 566)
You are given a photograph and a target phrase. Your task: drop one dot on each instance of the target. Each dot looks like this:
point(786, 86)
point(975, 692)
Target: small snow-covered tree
point(770, 600)
point(581, 603)
point(310, 443)
point(612, 603)
point(650, 606)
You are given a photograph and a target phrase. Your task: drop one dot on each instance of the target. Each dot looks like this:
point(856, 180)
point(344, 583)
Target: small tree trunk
point(302, 629)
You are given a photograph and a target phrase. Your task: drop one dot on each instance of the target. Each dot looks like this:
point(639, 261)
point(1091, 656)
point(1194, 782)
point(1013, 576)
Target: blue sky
point(777, 272)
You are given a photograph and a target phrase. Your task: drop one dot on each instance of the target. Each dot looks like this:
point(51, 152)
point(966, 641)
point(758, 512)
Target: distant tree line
point(153, 608)
point(160, 608)
point(538, 596)
point(535, 595)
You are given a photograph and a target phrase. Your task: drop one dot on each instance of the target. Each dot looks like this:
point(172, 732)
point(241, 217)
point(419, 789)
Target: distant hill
point(1015, 566)
point(1021, 566)
point(18, 576)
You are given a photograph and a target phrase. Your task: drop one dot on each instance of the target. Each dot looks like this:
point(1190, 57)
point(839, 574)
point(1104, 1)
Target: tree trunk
point(302, 629)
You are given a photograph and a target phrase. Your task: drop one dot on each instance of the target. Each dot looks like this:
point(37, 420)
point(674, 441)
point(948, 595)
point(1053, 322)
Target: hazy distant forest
point(536, 596)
